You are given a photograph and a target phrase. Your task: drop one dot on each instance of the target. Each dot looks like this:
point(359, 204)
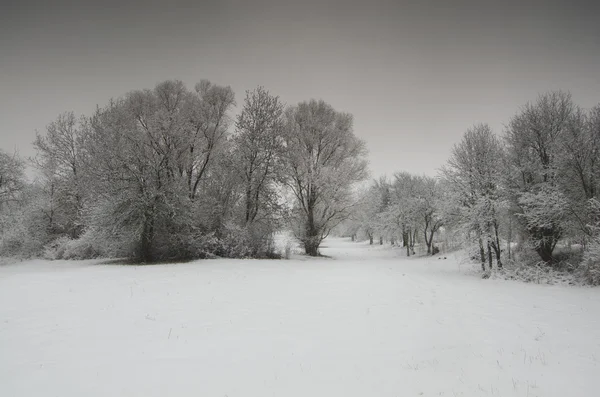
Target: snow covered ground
point(368, 322)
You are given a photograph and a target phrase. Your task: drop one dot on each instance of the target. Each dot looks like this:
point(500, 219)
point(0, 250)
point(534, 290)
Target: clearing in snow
point(367, 322)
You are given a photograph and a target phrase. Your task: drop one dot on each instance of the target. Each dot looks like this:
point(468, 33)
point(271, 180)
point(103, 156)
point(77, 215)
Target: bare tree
point(323, 158)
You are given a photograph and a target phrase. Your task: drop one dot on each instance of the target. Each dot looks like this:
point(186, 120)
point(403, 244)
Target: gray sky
point(415, 74)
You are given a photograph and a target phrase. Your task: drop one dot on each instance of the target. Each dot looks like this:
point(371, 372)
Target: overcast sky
point(415, 74)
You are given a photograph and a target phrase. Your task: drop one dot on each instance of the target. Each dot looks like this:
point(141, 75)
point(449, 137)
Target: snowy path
point(368, 322)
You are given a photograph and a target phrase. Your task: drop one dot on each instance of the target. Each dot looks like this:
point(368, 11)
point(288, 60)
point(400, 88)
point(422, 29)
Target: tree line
point(532, 189)
point(167, 173)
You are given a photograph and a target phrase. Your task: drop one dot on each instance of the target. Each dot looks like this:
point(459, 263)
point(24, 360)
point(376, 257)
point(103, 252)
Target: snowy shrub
point(85, 247)
point(56, 249)
point(591, 263)
point(234, 242)
point(591, 256)
point(538, 273)
point(23, 233)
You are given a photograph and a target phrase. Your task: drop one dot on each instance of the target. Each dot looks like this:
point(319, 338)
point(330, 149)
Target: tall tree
point(208, 111)
point(150, 153)
point(534, 138)
point(427, 210)
point(323, 159)
point(258, 143)
point(60, 157)
point(579, 160)
point(474, 176)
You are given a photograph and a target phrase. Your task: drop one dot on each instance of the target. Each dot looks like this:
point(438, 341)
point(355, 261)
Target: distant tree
point(12, 184)
point(382, 199)
point(427, 209)
point(12, 178)
point(367, 211)
point(323, 159)
point(401, 214)
point(414, 209)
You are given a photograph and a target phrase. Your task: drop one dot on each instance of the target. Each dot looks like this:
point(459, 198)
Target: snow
point(366, 322)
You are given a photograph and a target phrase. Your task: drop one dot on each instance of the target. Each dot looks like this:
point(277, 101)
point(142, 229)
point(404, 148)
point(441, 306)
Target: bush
point(591, 263)
point(56, 249)
point(84, 247)
point(23, 233)
point(254, 241)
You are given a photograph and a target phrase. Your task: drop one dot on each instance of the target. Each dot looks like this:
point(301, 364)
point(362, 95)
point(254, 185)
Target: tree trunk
point(489, 251)
point(496, 246)
point(482, 254)
point(547, 237)
point(312, 239)
point(509, 237)
point(145, 254)
point(380, 240)
point(545, 250)
point(427, 242)
point(311, 248)
point(370, 239)
point(248, 203)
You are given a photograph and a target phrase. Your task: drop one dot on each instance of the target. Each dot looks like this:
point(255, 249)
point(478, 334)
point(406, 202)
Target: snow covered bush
point(591, 263)
point(591, 256)
point(57, 248)
point(24, 232)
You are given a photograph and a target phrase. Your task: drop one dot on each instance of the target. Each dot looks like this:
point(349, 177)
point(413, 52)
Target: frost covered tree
point(414, 209)
point(12, 183)
point(322, 159)
point(579, 160)
point(12, 178)
point(427, 209)
point(257, 151)
point(591, 258)
point(151, 152)
point(474, 181)
point(24, 224)
point(370, 206)
point(399, 216)
point(207, 111)
point(535, 138)
point(59, 160)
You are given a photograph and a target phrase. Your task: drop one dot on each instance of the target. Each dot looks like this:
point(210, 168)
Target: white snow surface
point(365, 322)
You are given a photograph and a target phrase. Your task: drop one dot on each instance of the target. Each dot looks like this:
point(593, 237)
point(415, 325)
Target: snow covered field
point(368, 322)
